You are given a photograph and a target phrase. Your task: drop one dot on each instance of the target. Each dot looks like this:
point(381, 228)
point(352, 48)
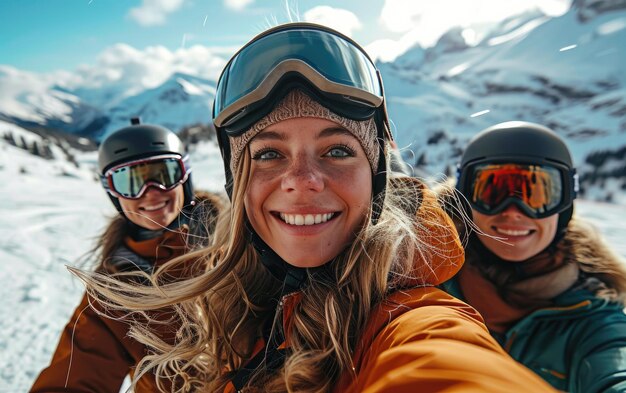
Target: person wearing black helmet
point(323, 278)
point(146, 173)
point(143, 160)
point(550, 290)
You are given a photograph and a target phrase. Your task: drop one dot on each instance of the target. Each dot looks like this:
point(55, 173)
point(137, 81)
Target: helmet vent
point(120, 150)
point(159, 143)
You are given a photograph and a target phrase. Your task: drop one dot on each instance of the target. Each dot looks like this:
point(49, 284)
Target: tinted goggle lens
point(327, 61)
point(536, 189)
point(131, 180)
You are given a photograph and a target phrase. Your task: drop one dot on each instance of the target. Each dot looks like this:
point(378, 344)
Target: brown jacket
point(94, 353)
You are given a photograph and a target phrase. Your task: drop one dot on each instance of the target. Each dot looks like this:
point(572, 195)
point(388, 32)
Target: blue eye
point(340, 152)
point(266, 154)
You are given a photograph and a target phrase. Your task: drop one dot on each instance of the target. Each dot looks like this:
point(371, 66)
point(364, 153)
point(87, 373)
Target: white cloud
point(151, 66)
point(339, 19)
point(121, 70)
point(154, 12)
point(387, 49)
point(428, 20)
point(237, 5)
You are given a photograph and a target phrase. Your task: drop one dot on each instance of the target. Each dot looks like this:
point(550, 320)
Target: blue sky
point(44, 35)
point(50, 35)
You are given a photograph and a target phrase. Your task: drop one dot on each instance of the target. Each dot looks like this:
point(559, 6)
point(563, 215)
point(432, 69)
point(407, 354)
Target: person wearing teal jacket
point(549, 288)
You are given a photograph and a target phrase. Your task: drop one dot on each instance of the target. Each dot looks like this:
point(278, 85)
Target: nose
point(303, 174)
point(152, 189)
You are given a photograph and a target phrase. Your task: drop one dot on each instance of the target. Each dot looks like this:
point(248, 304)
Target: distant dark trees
point(38, 148)
point(597, 159)
point(605, 164)
point(195, 133)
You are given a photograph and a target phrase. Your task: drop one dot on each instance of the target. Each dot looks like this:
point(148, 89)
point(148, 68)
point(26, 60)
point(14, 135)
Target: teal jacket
point(578, 345)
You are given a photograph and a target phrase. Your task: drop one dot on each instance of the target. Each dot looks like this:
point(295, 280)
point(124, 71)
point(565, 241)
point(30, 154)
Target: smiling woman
point(310, 186)
point(547, 286)
point(321, 276)
point(146, 174)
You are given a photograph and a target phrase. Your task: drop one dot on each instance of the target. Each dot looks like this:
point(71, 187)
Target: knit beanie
point(298, 104)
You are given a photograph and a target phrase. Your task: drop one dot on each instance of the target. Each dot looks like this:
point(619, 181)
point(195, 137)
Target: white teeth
point(308, 219)
point(510, 232)
point(155, 207)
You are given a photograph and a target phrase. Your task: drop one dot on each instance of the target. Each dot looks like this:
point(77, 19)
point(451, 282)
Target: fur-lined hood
point(581, 244)
point(584, 244)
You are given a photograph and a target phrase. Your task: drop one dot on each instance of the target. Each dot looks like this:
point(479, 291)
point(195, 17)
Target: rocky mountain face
point(589, 9)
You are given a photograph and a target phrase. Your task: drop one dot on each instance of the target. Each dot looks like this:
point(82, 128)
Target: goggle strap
point(385, 113)
point(575, 182)
point(105, 182)
point(186, 164)
point(224, 145)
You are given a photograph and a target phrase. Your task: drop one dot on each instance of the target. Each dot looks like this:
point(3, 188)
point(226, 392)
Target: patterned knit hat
point(298, 104)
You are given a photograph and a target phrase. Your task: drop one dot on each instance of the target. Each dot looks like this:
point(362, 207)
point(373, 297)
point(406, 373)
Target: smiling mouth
point(306, 219)
point(156, 207)
point(513, 232)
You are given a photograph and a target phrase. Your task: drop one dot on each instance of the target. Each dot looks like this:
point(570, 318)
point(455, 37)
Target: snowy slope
point(50, 211)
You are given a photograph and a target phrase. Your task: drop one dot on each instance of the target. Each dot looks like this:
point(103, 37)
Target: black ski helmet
point(522, 142)
point(139, 141)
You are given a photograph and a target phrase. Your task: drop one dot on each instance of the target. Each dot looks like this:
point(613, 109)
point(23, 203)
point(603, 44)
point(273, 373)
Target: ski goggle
point(131, 179)
point(326, 64)
point(538, 190)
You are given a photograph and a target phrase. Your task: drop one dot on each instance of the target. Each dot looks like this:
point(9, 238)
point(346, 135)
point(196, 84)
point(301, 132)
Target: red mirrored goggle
point(538, 190)
point(131, 179)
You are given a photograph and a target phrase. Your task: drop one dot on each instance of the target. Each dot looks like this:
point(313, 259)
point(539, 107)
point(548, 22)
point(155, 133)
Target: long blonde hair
point(220, 312)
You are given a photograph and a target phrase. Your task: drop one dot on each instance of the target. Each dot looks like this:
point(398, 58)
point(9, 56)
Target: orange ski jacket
point(422, 339)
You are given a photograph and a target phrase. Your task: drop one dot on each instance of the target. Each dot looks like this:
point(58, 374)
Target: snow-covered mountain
point(28, 101)
point(565, 72)
point(31, 100)
point(180, 101)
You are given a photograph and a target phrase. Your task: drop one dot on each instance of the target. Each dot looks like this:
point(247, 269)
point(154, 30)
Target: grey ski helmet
point(139, 141)
point(525, 143)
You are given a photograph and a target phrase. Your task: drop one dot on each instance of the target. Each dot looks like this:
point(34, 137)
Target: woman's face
point(520, 237)
point(310, 189)
point(156, 209)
